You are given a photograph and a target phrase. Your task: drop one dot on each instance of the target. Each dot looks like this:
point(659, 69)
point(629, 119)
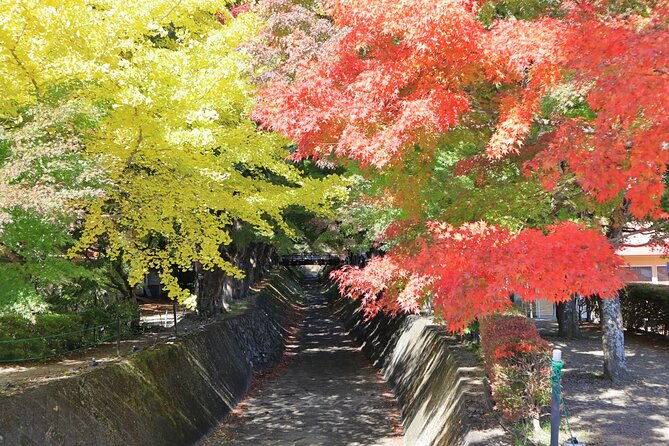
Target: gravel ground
point(636, 413)
point(326, 393)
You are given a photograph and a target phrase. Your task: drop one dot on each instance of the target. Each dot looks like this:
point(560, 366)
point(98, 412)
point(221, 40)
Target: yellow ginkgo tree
point(182, 160)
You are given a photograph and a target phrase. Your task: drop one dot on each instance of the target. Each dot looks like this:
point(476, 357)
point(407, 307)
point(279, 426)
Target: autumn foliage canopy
point(399, 75)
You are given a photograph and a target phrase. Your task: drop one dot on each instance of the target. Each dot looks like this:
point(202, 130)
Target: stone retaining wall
point(172, 394)
point(439, 385)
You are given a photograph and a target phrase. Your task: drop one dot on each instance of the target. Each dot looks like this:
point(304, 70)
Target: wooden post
point(118, 336)
point(174, 312)
point(556, 373)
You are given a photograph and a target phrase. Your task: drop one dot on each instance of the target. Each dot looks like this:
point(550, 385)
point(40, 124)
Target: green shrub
point(54, 334)
point(646, 306)
point(48, 335)
point(517, 364)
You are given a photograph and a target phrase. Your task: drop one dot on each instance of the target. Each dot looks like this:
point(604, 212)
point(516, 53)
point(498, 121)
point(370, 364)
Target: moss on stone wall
point(172, 394)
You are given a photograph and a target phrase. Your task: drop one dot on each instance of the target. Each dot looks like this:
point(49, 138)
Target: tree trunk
point(611, 317)
point(613, 341)
point(118, 280)
point(211, 292)
point(567, 317)
point(588, 309)
point(215, 289)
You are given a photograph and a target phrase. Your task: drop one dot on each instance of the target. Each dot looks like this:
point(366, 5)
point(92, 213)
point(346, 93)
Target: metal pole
point(118, 336)
point(174, 312)
point(556, 373)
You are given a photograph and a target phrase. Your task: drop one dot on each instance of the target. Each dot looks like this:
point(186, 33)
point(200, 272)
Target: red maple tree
point(408, 71)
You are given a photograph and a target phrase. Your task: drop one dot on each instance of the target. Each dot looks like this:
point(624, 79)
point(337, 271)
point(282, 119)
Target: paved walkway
point(636, 413)
point(326, 394)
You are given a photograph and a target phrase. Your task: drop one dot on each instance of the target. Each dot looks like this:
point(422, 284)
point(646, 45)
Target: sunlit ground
point(602, 415)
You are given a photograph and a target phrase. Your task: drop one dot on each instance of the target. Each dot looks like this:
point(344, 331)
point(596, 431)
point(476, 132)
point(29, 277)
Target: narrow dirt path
point(326, 394)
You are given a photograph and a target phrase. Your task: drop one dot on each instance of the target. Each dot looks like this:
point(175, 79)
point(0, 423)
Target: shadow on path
point(327, 394)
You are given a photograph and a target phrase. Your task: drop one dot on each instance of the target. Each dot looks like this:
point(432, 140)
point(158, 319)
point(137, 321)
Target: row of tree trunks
point(215, 289)
point(613, 338)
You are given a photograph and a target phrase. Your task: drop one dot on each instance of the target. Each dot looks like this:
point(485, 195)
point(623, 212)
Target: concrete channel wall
point(439, 385)
point(172, 394)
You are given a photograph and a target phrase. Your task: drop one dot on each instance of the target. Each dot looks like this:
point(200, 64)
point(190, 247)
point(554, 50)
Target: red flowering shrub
point(517, 364)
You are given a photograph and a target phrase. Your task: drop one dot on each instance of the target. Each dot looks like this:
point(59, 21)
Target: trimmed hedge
point(517, 364)
point(646, 306)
